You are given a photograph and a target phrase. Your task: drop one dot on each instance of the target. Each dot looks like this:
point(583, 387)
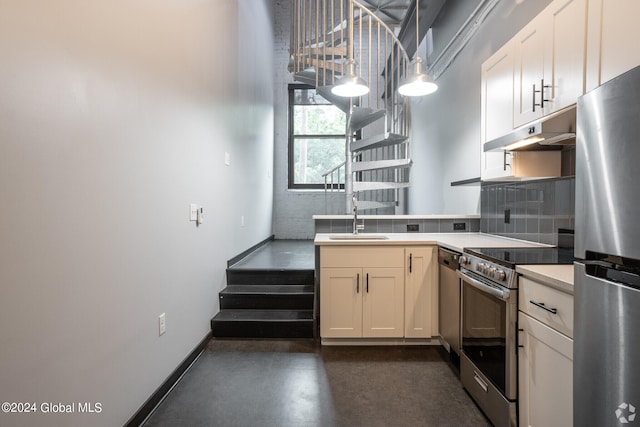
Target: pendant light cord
point(417, 29)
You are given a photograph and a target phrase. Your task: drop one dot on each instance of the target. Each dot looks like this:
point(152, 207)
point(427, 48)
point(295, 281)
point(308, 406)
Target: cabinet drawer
point(539, 301)
point(358, 256)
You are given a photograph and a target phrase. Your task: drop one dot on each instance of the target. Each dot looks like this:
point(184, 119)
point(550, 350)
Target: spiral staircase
point(325, 34)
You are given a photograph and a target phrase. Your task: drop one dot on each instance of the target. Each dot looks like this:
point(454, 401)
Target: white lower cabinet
point(340, 303)
point(421, 297)
point(545, 364)
point(377, 292)
point(362, 302)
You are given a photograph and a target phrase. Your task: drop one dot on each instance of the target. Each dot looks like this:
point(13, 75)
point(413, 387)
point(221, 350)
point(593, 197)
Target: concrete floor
point(280, 255)
point(300, 383)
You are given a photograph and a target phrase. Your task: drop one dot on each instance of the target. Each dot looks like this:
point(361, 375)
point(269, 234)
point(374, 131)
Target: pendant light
point(350, 85)
point(417, 84)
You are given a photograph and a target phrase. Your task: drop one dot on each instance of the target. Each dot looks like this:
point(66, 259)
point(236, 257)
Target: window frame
point(292, 138)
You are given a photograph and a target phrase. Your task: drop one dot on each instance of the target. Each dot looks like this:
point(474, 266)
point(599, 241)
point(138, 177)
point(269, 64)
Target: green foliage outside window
point(316, 140)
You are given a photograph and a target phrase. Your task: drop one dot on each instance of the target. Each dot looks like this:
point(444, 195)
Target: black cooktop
point(510, 257)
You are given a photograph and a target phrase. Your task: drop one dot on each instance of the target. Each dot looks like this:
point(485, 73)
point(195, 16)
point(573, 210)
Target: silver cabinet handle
point(544, 307)
point(482, 384)
point(542, 88)
point(541, 92)
point(504, 160)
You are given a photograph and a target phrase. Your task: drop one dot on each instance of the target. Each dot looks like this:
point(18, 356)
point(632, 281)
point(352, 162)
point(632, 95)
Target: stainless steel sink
point(361, 236)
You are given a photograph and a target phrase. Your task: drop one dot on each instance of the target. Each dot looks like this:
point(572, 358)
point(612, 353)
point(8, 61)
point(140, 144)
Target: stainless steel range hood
point(549, 133)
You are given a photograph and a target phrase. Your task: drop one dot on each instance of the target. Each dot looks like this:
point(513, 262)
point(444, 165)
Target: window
point(316, 138)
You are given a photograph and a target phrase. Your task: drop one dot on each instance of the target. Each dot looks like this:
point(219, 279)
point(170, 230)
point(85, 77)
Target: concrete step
point(275, 297)
point(263, 324)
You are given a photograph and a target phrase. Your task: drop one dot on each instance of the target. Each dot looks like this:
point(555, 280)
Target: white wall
point(446, 124)
point(114, 116)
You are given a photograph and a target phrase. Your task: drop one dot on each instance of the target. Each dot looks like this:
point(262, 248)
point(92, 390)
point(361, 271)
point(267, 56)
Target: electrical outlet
point(193, 212)
point(507, 216)
point(459, 226)
point(413, 228)
point(162, 324)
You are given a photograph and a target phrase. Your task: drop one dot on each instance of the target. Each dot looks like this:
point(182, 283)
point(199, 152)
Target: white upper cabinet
point(497, 107)
point(565, 60)
point(612, 39)
point(550, 61)
point(497, 94)
point(529, 46)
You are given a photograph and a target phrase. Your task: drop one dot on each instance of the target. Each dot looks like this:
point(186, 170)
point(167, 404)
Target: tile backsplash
point(399, 225)
point(532, 210)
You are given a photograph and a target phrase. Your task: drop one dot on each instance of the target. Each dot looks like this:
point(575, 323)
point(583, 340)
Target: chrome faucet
point(354, 209)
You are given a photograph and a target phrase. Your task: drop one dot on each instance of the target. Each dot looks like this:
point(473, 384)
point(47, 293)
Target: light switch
point(162, 324)
point(227, 158)
point(193, 212)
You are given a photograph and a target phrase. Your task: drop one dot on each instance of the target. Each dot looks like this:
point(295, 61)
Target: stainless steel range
point(488, 361)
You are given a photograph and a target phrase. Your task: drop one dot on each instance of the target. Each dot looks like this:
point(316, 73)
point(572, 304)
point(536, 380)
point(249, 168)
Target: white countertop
point(556, 276)
point(453, 241)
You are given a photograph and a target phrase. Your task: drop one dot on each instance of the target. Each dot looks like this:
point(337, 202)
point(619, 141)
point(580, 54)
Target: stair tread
point(363, 116)
point(375, 185)
point(372, 204)
point(269, 269)
point(380, 164)
point(268, 289)
point(340, 102)
point(251, 315)
point(269, 277)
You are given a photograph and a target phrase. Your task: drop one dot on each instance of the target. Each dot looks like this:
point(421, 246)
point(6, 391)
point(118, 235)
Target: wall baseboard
point(158, 396)
point(238, 257)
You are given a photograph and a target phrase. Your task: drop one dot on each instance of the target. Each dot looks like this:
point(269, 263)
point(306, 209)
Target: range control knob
point(463, 260)
point(501, 275)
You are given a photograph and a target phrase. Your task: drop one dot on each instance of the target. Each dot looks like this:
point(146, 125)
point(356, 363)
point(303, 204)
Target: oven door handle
point(503, 294)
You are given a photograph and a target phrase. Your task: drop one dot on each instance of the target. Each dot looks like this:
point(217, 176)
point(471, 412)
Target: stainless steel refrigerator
point(606, 374)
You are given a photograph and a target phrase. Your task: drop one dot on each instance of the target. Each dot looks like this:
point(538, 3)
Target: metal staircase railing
point(319, 48)
point(332, 183)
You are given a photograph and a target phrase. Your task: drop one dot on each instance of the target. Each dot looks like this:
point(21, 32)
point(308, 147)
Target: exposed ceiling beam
point(429, 10)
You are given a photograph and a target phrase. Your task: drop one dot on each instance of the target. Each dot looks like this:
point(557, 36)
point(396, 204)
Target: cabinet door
point(545, 364)
point(341, 292)
point(383, 303)
point(529, 53)
point(420, 293)
point(564, 63)
point(496, 108)
point(612, 39)
point(497, 94)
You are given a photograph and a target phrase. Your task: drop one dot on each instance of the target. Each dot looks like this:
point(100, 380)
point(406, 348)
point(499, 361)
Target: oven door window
point(484, 333)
